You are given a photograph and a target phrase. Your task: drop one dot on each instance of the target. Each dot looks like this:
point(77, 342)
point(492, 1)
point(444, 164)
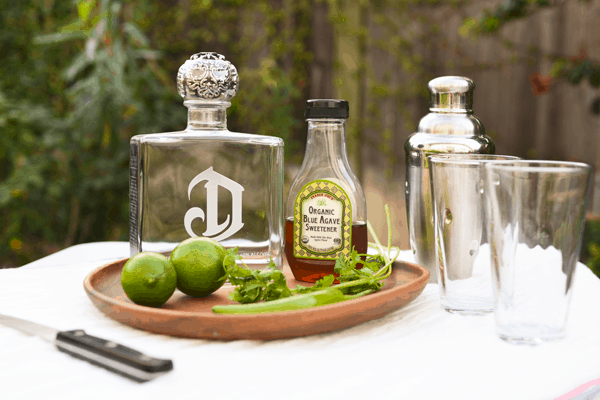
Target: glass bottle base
point(307, 270)
point(311, 270)
point(255, 255)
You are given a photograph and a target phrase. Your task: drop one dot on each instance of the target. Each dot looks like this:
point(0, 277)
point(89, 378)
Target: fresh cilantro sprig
point(347, 269)
point(254, 285)
point(356, 272)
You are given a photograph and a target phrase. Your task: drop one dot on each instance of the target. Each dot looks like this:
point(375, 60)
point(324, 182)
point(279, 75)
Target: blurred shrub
point(78, 79)
point(590, 254)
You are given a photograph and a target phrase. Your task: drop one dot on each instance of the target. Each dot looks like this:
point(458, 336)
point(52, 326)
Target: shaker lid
point(451, 93)
point(207, 77)
point(327, 108)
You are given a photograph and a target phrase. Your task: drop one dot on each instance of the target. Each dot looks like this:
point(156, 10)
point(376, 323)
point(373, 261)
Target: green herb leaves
point(322, 283)
point(361, 269)
point(254, 285)
point(359, 274)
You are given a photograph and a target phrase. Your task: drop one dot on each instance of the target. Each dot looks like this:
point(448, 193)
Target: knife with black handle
point(104, 353)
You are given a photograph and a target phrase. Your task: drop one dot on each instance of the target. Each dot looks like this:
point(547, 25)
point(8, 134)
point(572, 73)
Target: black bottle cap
point(327, 108)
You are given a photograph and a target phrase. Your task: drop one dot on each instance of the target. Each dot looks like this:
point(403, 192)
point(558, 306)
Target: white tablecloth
point(417, 352)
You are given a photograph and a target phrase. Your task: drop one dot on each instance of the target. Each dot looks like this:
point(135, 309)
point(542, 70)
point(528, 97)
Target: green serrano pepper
point(298, 302)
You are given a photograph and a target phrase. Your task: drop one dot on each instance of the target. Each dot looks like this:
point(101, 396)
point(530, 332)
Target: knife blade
point(104, 353)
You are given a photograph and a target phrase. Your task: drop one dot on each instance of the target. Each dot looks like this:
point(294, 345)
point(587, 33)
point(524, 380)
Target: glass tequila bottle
point(206, 180)
point(326, 207)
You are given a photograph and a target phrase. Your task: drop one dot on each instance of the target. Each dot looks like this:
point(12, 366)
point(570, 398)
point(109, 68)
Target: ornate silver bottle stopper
point(207, 76)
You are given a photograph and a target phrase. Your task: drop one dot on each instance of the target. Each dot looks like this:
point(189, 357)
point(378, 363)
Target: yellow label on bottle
point(322, 221)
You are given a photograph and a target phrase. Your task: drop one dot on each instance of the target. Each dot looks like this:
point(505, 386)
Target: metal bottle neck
point(461, 103)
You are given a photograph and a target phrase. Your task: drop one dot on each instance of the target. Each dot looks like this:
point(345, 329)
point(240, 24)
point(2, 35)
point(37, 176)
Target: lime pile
point(195, 268)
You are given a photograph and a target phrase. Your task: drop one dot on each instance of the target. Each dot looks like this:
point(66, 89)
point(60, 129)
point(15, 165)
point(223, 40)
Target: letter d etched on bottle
point(225, 229)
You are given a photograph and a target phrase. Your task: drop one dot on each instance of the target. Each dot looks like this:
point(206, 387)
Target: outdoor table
point(416, 352)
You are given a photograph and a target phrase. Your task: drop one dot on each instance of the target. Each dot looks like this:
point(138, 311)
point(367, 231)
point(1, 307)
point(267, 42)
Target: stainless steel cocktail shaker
point(450, 127)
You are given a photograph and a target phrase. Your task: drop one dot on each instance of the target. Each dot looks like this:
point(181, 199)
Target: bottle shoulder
point(208, 135)
point(438, 143)
point(335, 171)
point(345, 179)
point(455, 124)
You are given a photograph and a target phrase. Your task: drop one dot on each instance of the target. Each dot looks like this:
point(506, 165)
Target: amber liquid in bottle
point(308, 270)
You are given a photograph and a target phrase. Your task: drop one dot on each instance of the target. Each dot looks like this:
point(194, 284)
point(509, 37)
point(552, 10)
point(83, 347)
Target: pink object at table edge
point(581, 389)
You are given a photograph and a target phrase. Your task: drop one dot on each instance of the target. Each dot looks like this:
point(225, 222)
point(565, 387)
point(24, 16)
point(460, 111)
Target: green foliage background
point(590, 253)
point(78, 78)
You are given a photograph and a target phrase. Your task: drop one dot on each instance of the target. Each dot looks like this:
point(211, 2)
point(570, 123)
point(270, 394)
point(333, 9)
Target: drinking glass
point(536, 212)
point(464, 273)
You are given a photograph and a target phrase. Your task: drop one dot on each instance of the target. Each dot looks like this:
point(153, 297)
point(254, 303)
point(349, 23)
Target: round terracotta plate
point(192, 317)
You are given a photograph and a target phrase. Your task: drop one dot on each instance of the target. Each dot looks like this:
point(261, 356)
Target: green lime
point(149, 279)
point(199, 265)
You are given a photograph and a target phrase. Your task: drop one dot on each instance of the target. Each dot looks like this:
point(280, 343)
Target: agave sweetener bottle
point(326, 208)
point(450, 127)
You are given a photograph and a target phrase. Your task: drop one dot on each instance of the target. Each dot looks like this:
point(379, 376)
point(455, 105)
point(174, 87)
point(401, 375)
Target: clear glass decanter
point(326, 208)
point(206, 180)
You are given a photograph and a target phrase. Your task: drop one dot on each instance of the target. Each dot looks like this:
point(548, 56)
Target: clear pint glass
point(535, 221)
point(464, 272)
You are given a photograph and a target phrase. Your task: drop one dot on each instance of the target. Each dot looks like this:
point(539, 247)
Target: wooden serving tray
point(192, 317)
